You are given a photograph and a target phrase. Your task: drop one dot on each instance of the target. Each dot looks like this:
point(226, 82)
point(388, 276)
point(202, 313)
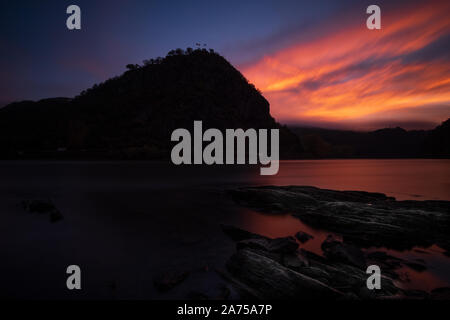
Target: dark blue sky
point(41, 58)
point(282, 46)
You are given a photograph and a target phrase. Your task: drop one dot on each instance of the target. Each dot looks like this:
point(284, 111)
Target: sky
point(315, 61)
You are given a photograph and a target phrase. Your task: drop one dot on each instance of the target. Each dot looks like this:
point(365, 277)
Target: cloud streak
point(354, 75)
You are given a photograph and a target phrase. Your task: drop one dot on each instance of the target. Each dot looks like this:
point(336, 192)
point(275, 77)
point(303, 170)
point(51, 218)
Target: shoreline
point(347, 250)
point(128, 225)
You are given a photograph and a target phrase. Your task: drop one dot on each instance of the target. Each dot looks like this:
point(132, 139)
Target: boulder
point(271, 280)
point(295, 261)
point(303, 237)
point(43, 207)
point(338, 251)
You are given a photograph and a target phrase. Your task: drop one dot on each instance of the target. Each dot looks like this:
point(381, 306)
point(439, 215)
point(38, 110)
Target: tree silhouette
point(131, 66)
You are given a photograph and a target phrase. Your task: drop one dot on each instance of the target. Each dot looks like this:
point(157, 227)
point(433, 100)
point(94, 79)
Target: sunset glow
point(353, 75)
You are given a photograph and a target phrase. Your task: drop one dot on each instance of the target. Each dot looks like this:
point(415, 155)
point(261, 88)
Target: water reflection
point(282, 225)
point(404, 179)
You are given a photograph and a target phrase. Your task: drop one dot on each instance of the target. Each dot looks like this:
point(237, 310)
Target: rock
point(440, 293)
point(271, 280)
point(278, 245)
point(390, 263)
point(362, 218)
point(38, 206)
point(416, 266)
point(167, 281)
point(238, 234)
point(317, 273)
point(274, 268)
point(43, 207)
point(273, 249)
point(303, 237)
point(381, 258)
point(283, 245)
point(295, 261)
point(350, 279)
point(270, 199)
point(255, 241)
point(338, 251)
point(313, 256)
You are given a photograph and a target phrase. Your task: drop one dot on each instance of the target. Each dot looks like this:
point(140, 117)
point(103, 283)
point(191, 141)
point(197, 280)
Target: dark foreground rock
point(336, 250)
point(303, 237)
point(259, 269)
point(269, 279)
point(362, 218)
point(43, 207)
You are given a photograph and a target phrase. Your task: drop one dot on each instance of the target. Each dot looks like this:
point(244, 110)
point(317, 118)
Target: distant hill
point(437, 142)
point(132, 116)
point(383, 143)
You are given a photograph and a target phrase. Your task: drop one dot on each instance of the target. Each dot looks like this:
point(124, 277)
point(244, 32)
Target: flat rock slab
point(259, 271)
point(362, 218)
point(271, 280)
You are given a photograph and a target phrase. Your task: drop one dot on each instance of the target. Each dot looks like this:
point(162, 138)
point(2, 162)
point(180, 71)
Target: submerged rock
point(278, 245)
point(295, 261)
point(416, 266)
point(43, 207)
point(303, 237)
point(338, 251)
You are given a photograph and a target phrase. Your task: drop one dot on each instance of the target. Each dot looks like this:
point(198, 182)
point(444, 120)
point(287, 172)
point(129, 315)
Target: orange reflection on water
point(283, 225)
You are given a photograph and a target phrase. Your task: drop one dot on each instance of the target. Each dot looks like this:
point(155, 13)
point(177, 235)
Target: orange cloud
point(355, 74)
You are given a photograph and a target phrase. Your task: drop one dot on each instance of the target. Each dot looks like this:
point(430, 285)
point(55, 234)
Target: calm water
point(124, 222)
point(417, 179)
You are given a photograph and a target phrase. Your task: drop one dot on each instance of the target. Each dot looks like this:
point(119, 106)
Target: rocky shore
point(362, 218)
point(280, 269)
point(364, 229)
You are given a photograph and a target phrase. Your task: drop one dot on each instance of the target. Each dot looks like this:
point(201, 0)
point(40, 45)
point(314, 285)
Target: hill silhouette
point(382, 143)
point(132, 116)
point(437, 143)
